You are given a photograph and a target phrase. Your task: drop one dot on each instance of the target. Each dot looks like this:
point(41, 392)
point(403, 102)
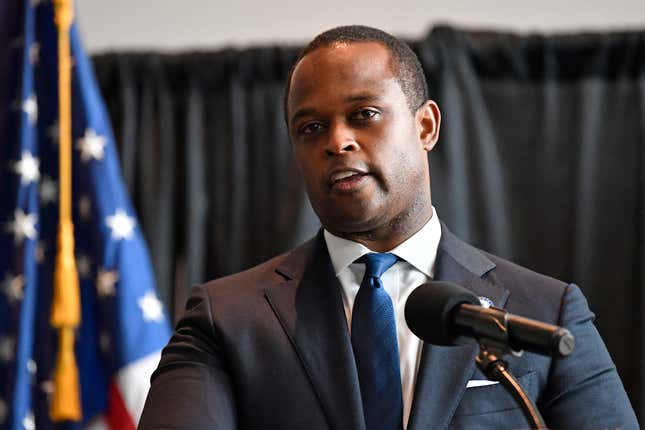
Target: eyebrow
point(300, 113)
point(350, 99)
point(362, 98)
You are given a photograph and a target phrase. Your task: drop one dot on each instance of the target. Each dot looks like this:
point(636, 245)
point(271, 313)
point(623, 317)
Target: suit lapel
point(310, 310)
point(444, 371)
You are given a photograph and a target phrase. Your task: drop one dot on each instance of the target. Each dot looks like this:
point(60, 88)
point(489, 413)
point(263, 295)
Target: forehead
point(340, 68)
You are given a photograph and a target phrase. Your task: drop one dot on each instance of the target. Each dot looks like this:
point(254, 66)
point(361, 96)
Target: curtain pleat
point(128, 123)
point(163, 240)
point(636, 336)
point(238, 179)
point(540, 160)
point(218, 190)
point(195, 192)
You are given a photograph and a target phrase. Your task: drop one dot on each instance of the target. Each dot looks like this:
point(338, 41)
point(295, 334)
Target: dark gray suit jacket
point(269, 348)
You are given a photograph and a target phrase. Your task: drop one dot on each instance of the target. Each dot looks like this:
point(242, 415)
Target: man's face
point(360, 149)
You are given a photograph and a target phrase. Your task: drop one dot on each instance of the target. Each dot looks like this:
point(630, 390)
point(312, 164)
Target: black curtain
point(540, 160)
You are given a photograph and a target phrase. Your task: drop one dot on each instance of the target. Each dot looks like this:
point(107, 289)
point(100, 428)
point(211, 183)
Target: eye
point(311, 127)
point(364, 114)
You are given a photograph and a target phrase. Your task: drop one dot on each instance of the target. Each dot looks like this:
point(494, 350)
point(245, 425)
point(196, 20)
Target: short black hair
point(406, 65)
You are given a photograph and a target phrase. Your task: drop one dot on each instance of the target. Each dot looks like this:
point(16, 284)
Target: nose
point(340, 139)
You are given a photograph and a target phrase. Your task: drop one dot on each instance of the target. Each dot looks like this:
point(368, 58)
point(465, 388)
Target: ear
point(428, 120)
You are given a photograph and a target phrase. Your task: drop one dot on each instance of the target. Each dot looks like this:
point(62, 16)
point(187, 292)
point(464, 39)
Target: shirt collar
point(420, 249)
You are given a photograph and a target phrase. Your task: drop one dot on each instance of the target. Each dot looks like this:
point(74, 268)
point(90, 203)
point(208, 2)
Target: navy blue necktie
point(375, 347)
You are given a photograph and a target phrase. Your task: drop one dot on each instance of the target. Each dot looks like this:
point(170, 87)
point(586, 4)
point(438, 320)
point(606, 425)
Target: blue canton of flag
point(123, 324)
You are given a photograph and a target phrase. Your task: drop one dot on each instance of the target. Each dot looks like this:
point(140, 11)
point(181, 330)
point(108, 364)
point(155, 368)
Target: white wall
point(182, 24)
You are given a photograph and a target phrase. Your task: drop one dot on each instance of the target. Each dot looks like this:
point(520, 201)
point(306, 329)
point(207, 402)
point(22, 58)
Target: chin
point(353, 222)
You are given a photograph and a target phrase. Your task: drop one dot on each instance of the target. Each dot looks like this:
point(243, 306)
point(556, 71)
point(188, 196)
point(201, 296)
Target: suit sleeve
point(191, 388)
point(584, 390)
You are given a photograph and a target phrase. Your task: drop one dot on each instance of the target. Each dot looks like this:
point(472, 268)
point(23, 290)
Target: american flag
point(124, 325)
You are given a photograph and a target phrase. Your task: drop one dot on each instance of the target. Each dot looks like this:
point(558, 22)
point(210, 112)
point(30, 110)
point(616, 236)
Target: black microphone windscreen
point(428, 310)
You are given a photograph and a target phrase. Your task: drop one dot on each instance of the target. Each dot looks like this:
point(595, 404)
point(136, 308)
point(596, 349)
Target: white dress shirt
point(415, 266)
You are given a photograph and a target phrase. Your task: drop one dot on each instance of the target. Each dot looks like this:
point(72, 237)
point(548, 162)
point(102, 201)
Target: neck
point(392, 234)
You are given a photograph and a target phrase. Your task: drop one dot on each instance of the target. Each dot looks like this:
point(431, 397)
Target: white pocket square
point(480, 383)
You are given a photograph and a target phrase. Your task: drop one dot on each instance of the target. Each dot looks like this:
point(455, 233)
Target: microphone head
point(429, 309)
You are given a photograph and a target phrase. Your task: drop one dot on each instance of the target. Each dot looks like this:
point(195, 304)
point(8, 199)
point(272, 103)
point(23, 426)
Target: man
point(316, 338)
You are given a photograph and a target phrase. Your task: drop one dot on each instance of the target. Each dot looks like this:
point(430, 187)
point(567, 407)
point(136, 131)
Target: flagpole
point(65, 312)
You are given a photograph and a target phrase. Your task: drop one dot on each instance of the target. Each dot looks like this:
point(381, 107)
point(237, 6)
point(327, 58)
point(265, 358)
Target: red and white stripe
point(127, 395)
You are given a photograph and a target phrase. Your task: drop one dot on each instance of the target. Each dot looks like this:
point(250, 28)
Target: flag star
point(28, 422)
point(3, 412)
point(13, 287)
point(34, 53)
point(105, 281)
point(121, 224)
point(84, 266)
point(151, 307)
point(31, 366)
point(23, 225)
point(7, 346)
point(85, 208)
point(91, 145)
point(30, 107)
point(27, 168)
point(48, 190)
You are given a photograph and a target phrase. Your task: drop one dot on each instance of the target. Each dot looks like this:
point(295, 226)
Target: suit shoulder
point(283, 267)
point(532, 294)
point(513, 271)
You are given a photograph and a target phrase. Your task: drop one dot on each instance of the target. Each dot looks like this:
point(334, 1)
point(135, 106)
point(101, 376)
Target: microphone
point(440, 312)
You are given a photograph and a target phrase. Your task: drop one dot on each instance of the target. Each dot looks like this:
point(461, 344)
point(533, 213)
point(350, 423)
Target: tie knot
point(377, 263)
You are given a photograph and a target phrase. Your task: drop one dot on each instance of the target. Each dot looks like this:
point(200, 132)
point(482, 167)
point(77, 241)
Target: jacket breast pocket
point(494, 398)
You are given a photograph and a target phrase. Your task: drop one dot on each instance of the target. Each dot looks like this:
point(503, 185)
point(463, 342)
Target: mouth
point(346, 179)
